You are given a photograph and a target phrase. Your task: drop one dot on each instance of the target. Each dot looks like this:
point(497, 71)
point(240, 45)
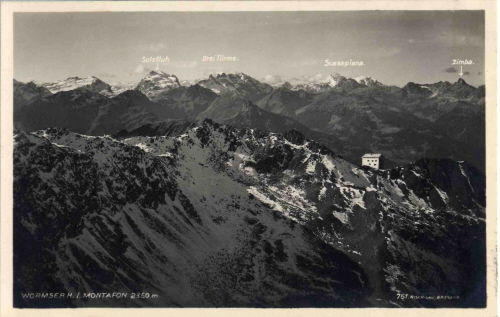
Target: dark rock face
point(294, 137)
point(24, 93)
point(226, 217)
point(164, 128)
point(84, 111)
point(129, 110)
point(284, 101)
point(75, 110)
point(92, 113)
point(412, 89)
point(183, 102)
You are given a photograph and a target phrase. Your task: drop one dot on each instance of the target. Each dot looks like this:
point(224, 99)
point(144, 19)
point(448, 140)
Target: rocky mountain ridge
point(230, 217)
point(93, 84)
point(338, 82)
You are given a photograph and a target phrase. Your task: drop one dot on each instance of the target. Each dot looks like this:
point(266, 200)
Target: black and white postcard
point(270, 156)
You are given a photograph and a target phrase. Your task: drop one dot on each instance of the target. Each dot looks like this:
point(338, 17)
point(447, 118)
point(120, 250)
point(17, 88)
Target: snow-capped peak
point(367, 80)
point(161, 77)
point(230, 81)
point(90, 83)
point(335, 79)
point(156, 82)
point(119, 87)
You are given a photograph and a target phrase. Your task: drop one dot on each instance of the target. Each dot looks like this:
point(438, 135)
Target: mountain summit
point(248, 87)
point(368, 81)
point(156, 82)
point(93, 84)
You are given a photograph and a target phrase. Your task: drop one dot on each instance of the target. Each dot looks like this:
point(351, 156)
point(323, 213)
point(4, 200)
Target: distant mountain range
point(338, 82)
point(351, 115)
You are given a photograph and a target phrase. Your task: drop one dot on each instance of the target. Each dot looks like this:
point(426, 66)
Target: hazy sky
point(396, 46)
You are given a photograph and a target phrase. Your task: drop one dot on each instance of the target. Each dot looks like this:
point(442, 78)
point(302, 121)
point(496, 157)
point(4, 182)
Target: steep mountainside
point(383, 128)
point(246, 86)
point(75, 110)
point(226, 217)
point(129, 110)
point(431, 101)
point(84, 111)
point(184, 102)
point(25, 93)
point(157, 82)
point(167, 223)
point(232, 109)
point(456, 110)
point(285, 101)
